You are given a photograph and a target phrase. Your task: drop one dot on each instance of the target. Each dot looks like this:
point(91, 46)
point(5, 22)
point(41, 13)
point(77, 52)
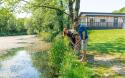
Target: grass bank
point(60, 61)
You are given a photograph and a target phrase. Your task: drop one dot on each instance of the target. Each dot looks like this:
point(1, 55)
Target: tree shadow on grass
point(114, 46)
point(109, 63)
point(112, 67)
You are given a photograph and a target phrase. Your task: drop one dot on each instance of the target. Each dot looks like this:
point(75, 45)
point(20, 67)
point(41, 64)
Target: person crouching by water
point(77, 43)
point(74, 39)
point(69, 34)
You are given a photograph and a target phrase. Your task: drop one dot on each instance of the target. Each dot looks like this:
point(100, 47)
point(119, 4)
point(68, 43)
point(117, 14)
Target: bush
point(71, 68)
point(64, 61)
point(57, 55)
point(45, 36)
point(48, 36)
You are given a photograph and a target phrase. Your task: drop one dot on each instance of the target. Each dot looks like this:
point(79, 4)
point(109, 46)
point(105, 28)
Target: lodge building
point(97, 20)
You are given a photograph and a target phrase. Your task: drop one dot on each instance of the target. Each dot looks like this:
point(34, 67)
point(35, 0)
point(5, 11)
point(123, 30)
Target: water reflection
point(19, 66)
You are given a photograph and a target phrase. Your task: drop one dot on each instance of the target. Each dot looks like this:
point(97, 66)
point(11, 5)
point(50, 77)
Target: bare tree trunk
point(77, 7)
point(74, 11)
point(71, 10)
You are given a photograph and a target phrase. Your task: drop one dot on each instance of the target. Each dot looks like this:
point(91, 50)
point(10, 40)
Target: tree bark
point(77, 7)
point(70, 5)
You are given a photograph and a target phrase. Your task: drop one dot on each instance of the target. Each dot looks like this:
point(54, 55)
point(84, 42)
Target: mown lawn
point(109, 47)
point(106, 41)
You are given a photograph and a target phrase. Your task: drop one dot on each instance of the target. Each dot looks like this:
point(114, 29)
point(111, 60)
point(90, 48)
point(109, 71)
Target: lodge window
point(102, 20)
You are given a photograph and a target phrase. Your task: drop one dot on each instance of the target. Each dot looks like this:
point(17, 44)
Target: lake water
point(18, 66)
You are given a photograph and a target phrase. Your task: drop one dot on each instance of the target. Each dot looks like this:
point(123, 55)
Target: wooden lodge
point(95, 20)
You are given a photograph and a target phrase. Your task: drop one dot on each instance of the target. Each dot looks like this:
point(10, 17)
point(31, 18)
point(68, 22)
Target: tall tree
point(71, 12)
point(77, 7)
point(60, 8)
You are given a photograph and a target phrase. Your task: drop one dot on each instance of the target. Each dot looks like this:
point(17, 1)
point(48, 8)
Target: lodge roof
point(101, 14)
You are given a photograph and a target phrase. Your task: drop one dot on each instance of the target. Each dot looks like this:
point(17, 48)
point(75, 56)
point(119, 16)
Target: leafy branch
point(48, 6)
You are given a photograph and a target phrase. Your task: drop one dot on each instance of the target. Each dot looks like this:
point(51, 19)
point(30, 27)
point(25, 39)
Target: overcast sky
point(101, 5)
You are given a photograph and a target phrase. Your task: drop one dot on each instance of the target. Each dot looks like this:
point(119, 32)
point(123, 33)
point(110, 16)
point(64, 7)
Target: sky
point(22, 15)
point(101, 5)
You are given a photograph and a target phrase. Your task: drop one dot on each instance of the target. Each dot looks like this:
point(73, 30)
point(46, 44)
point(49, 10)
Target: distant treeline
point(122, 10)
point(10, 25)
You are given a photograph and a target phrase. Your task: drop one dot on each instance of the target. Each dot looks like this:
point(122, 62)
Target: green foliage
point(47, 15)
point(48, 36)
point(45, 36)
point(122, 10)
point(57, 55)
point(64, 61)
point(71, 68)
point(9, 25)
point(43, 20)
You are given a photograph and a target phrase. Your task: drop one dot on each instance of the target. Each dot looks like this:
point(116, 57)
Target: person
point(74, 39)
point(77, 43)
point(70, 35)
point(83, 39)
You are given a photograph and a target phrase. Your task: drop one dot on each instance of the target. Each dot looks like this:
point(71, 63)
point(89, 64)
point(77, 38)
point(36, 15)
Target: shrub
point(48, 36)
point(64, 61)
point(45, 36)
point(57, 55)
point(71, 68)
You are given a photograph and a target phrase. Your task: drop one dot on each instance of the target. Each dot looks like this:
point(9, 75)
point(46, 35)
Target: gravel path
point(10, 42)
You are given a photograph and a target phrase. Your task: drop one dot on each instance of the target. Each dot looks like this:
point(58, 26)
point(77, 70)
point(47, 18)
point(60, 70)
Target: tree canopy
point(47, 15)
point(122, 10)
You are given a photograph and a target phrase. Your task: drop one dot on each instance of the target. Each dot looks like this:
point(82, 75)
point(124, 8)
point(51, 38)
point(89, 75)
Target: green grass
point(73, 68)
point(106, 41)
point(106, 35)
